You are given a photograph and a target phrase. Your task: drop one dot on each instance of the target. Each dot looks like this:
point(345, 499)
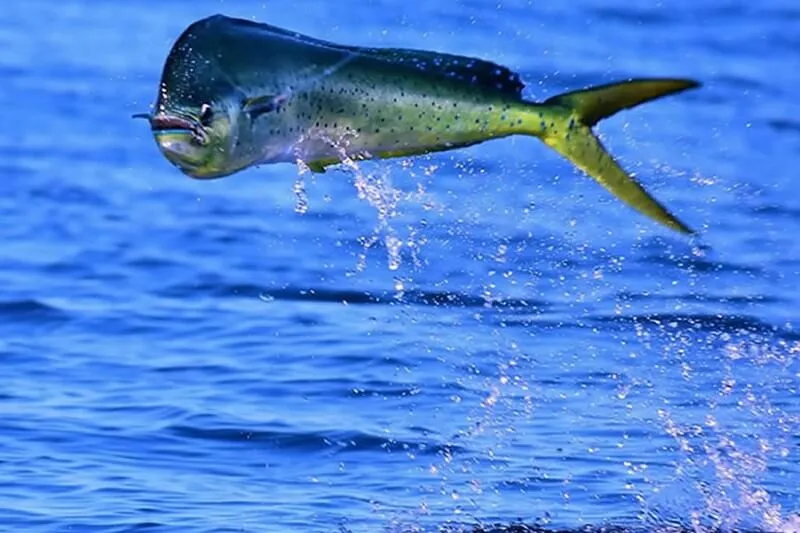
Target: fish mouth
point(164, 125)
point(171, 123)
point(164, 122)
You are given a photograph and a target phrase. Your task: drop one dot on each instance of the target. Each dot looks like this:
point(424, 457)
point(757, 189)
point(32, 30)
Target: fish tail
point(565, 123)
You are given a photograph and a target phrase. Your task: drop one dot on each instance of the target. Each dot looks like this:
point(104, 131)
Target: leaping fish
point(236, 93)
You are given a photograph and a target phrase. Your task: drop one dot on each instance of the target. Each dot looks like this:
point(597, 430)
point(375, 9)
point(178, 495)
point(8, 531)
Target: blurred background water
point(473, 337)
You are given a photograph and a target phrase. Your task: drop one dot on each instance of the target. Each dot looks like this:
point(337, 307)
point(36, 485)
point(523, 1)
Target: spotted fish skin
point(374, 101)
point(279, 96)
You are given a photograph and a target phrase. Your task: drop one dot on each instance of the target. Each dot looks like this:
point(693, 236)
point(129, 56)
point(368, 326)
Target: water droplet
point(264, 297)
point(393, 245)
point(301, 199)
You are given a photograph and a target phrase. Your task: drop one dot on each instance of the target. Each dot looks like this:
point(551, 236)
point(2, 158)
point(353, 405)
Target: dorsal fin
point(468, 69)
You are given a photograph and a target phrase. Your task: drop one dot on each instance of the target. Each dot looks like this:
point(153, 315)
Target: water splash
point(377, 190)
point(718, 483)
point(500, 398)
point(299, 189)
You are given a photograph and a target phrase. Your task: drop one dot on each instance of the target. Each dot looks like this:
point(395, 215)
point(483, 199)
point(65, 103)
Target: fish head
point(206, 119)
point(198, 139)
point(194, 119)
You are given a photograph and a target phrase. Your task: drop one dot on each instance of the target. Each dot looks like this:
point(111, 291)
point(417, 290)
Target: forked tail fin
point(573, 137)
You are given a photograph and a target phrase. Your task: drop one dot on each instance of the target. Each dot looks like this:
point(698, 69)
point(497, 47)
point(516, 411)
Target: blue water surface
point(478, 336)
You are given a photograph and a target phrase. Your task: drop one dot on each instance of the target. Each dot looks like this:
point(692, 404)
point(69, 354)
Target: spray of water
point(376, 189)
point(721, 466)
point(718, 484)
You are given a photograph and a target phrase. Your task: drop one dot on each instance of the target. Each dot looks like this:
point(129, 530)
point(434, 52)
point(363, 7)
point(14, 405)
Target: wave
point(414, 297)
point(784, 124)
point(648, 17)
point(775, 210)
point(720, 323)
point(31, 309)
point(537, 312)
point(339, 441)
point(534, 528)
point(698, 297)
point(356, 297)
point(732, 324)
point(699, 264)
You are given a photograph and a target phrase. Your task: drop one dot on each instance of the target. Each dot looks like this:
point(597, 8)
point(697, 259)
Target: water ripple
point(724, 300)
point(28, 310)
point(311, 441)
point(183, 355)
point(733, 324)
point(606, 528)
point(356, 297)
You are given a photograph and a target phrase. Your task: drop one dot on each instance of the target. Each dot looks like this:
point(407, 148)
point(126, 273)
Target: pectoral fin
point(260, 105)
point(318, 167)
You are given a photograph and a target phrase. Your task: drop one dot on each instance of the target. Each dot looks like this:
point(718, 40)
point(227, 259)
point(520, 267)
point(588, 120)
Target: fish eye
point(206, 114)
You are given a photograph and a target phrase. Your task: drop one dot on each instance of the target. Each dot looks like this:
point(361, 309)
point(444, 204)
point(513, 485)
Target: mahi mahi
point(236, 93)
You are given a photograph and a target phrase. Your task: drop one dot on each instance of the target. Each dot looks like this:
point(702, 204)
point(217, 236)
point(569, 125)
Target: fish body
point(236, 93)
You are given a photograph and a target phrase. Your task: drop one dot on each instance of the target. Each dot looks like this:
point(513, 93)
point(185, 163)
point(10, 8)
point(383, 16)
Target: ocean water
point(477, 337)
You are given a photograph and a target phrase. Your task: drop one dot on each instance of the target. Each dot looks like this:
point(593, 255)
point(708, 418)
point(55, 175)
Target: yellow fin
point(318, 167)
point(570, 134)
point(596, 103)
